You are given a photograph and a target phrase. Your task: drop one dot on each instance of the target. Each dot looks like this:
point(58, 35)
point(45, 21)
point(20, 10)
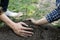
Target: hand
point(17, 27)
point(41, 21)
point(32, 20)
point(21, 31)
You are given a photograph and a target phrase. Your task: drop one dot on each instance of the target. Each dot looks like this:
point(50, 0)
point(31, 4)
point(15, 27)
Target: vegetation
point(31, 8)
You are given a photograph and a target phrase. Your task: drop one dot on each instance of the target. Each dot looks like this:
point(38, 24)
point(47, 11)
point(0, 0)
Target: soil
point(46, 32)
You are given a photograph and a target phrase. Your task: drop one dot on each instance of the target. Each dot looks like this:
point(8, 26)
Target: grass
point(29, 9)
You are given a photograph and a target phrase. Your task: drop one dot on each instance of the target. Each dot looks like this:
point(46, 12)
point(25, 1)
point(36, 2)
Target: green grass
point(28, 8)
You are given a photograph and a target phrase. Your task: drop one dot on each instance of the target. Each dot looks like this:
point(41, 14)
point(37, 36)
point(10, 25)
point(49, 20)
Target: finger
point(26, 35)
point(23, 23)
point(24, 28)
point(27, 32)
point(23, 35)
point(31, 19)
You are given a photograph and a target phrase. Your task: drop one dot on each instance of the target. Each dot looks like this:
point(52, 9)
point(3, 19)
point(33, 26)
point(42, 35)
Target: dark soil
point(46, 32)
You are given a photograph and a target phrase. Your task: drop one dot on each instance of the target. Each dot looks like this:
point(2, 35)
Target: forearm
point(51, 17)
point(41, 21)
point(5, 19)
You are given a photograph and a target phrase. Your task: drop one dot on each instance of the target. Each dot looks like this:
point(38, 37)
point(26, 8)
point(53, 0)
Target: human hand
point(32, 20)
point(21, 30)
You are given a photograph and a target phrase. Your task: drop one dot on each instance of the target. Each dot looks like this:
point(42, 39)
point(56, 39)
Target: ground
point(32, 9)
point(46, 32)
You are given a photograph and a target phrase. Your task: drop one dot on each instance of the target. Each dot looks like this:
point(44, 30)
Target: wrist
point(5, 19)
point(11, 25)
point(42, 21)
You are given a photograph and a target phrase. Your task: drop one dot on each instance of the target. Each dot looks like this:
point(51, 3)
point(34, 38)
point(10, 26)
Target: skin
point(39, 22)
point(16, 27)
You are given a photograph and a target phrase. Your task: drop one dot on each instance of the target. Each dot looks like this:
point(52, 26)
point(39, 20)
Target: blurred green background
point(31, 9)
